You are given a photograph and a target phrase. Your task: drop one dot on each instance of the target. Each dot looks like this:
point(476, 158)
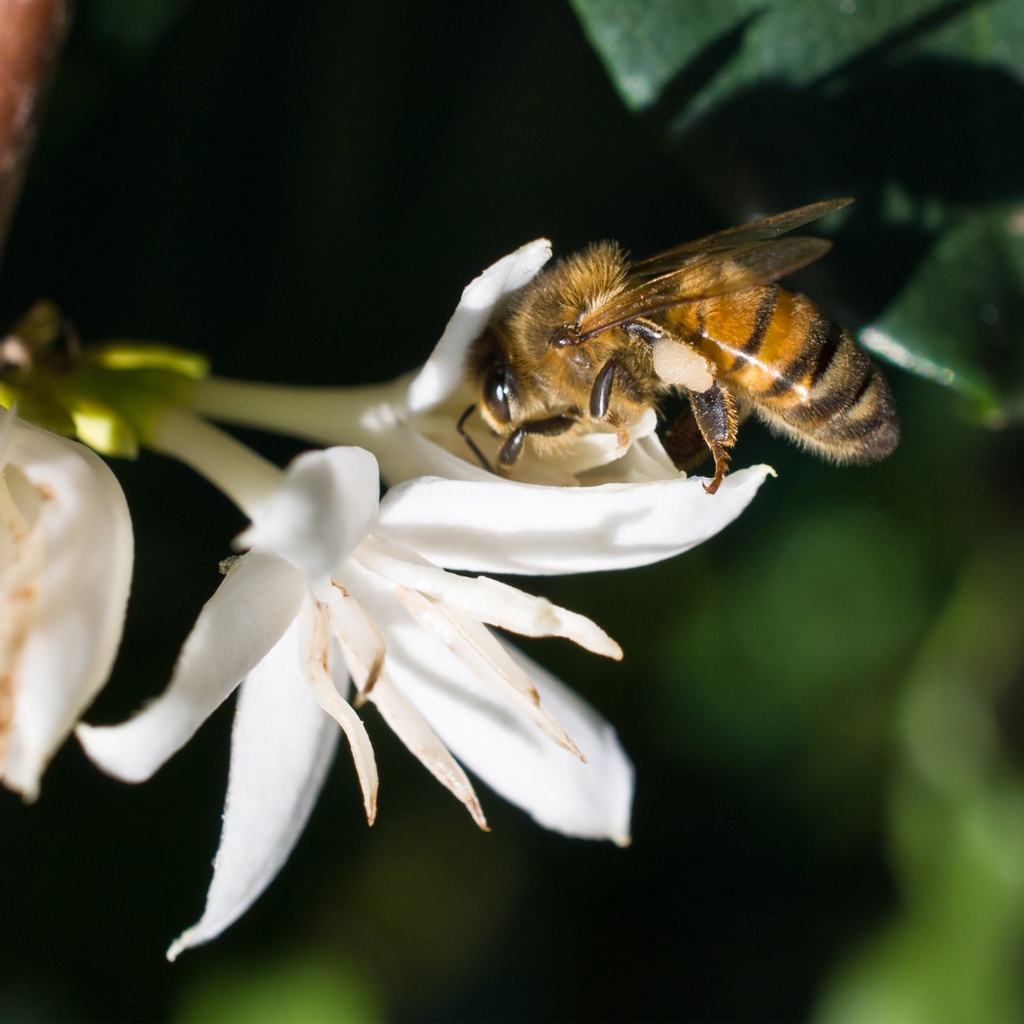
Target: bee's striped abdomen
point(781, 356)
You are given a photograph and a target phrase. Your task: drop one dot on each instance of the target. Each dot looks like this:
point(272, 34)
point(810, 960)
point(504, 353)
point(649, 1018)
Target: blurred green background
point(824, 704)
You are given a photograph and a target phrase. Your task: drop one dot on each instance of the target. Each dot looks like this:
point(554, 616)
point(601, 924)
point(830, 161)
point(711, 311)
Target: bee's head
point(514, 406)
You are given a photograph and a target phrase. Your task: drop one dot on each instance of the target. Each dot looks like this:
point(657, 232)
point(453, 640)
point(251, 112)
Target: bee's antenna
point(461, 428)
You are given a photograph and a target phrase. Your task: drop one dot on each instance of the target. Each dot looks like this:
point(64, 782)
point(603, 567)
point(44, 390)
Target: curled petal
point(411, 728)
point(443, 370)
point(315, 647)
point(508, 527)
point(361, 644)
point(64, 584)
point(248, 614)
point(322, 510)
point(484, 599)
point(281, 747)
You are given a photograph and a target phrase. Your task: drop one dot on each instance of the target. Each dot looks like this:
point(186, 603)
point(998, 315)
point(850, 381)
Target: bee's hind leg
point(709, 424)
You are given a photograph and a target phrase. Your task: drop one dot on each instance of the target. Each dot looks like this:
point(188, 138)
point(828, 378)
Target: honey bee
point(597, 340)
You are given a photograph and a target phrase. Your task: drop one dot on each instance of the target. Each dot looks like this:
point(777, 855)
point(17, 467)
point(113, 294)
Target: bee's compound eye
point(498, 388)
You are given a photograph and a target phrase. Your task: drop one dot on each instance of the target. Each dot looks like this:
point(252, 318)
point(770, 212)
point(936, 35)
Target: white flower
point(65, 569)
point(323, 596)
point(410, 425)
point(336, 588)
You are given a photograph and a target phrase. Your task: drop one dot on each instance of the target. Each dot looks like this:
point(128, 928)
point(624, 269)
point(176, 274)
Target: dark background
point(302, 191)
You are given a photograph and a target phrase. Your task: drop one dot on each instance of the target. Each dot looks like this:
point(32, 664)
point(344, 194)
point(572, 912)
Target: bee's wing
point(687, 277)
point(756, 231)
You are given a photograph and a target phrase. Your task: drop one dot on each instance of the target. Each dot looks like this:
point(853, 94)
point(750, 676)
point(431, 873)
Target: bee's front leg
point(553, 426)
point(625, 375)
point(601, 396)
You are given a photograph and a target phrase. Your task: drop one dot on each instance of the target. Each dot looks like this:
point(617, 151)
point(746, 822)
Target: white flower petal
point(322, 510)
point(585, 457)
point(505, 749)
point(22, 561)
point(314, 643)
point(281, 747)
point(250, 611)
point(484, 599)
point(412, 729)
point(593, 800)
point(406, 453)
point(507, 527)
point(73, 593)
point(644, 462)
point(444, 369)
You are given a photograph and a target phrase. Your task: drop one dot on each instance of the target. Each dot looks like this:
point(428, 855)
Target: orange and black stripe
point(778, 353)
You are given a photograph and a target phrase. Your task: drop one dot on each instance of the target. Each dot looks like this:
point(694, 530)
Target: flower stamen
point(362, 646)
point(327, 696)
point(412, 729)
point(480, 650)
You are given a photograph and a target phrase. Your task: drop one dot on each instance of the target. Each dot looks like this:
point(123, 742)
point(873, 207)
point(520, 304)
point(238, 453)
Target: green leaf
point(644, 44)
point(961, 311)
